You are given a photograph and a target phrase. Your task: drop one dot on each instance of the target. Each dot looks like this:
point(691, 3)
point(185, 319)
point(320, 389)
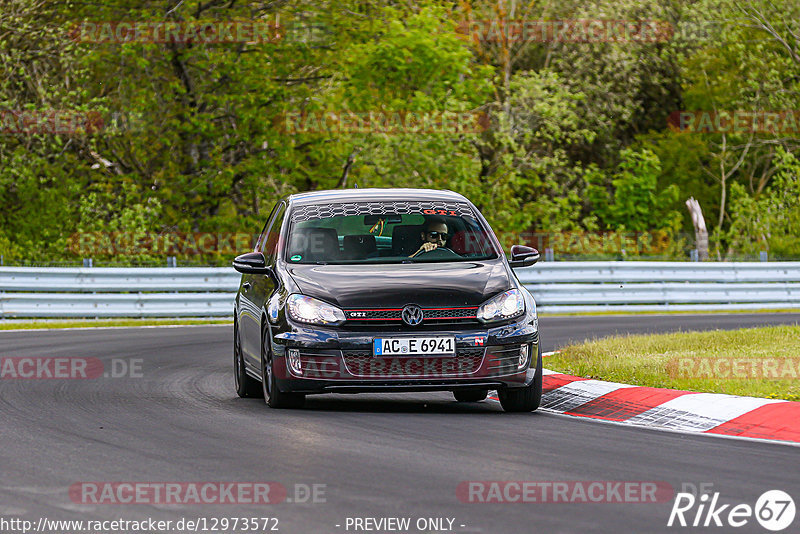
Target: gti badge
point(412, 315)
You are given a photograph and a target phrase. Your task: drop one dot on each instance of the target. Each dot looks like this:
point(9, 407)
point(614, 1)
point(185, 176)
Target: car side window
point(269, 246)
point(262, 236)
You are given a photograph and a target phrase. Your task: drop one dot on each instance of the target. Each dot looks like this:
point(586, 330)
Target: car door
point(256, 289)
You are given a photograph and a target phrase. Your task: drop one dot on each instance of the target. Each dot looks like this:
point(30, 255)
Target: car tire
point(470, 395)
point(246, 386)
point(525, 399)
point(273, 396)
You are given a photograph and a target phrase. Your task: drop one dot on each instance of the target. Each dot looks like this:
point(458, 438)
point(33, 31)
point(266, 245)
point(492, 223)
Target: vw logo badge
point(412, 315)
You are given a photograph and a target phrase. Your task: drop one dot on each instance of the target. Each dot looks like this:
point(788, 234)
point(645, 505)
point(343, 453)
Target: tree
point(770, 221)
point(633, 201)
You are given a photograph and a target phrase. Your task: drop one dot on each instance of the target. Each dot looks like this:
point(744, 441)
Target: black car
point(368, 290)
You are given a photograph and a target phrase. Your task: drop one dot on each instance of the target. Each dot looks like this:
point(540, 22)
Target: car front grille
point(393, 316)
point(363, 364)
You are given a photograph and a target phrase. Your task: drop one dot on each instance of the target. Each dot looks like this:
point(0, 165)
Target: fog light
point(523, 355)
point(294, 362)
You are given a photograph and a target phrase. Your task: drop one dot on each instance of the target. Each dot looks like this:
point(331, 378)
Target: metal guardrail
point(117, 292)
point(116, 305)
point(658, 286)
point(557, 287)
point(118, 279)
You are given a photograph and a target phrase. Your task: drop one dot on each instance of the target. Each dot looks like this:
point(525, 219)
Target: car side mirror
point(522, 256)
point(252, 263)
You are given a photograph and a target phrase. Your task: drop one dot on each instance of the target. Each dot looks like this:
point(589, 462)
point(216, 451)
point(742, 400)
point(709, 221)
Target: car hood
point(395, 285)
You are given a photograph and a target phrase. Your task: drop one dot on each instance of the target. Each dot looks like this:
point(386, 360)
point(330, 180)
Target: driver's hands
point(426, 247)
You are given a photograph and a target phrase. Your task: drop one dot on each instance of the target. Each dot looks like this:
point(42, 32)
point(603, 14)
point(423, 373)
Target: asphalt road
point(178, 419)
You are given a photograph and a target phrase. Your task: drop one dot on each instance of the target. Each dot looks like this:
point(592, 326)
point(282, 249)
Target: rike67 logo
point(774, 510)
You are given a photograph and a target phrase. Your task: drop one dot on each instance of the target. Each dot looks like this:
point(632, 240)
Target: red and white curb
point(670, 409)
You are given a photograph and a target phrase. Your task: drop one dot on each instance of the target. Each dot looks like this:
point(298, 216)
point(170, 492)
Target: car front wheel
point(273, 396)
point(525, 399)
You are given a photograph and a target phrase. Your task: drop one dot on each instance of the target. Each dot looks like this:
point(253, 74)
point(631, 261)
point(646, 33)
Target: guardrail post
point(763, 255)
point(87, 262)
point(548, 254)
point(171, 261)
point(694, 255)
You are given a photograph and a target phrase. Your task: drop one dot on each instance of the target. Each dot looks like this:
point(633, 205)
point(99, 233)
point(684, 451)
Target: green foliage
point(415, 62)
point(537, 127)
point(633, 202)
point(684, 160)
point(577, 139)
point(769, 222)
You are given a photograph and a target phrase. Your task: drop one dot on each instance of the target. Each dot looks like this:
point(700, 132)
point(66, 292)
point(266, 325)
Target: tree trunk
point(700, 231)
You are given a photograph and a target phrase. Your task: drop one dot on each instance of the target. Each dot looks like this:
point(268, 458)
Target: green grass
point(687, 361)
point(94, 323)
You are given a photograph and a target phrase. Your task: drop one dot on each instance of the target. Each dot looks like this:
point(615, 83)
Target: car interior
point(313, 244)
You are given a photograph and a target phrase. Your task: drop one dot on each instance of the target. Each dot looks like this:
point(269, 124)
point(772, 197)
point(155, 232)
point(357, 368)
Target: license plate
point(415, 346)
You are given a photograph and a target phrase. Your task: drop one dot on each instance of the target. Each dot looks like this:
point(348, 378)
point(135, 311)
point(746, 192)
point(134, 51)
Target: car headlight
point(309, 310)
point(503, 306)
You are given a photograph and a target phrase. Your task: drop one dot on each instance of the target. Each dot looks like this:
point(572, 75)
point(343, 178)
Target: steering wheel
point(439, 252)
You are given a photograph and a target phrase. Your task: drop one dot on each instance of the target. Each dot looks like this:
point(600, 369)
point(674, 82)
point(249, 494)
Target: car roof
point(366, 195)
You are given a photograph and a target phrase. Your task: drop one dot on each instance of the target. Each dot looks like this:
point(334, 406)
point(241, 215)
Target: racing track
point(379, 455)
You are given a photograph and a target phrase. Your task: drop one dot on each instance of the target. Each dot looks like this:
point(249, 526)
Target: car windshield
point(386, 232)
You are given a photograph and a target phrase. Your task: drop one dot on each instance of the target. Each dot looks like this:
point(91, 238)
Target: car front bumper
point(341, 361)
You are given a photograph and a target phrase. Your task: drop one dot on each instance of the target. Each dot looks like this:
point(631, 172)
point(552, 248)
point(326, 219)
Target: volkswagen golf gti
point(384, 290)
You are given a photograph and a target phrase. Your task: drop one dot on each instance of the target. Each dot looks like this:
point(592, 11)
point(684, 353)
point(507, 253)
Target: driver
point(434, 235)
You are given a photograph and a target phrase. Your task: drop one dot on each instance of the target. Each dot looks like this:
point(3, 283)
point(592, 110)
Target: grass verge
point(755, 362)
point(96, 323)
